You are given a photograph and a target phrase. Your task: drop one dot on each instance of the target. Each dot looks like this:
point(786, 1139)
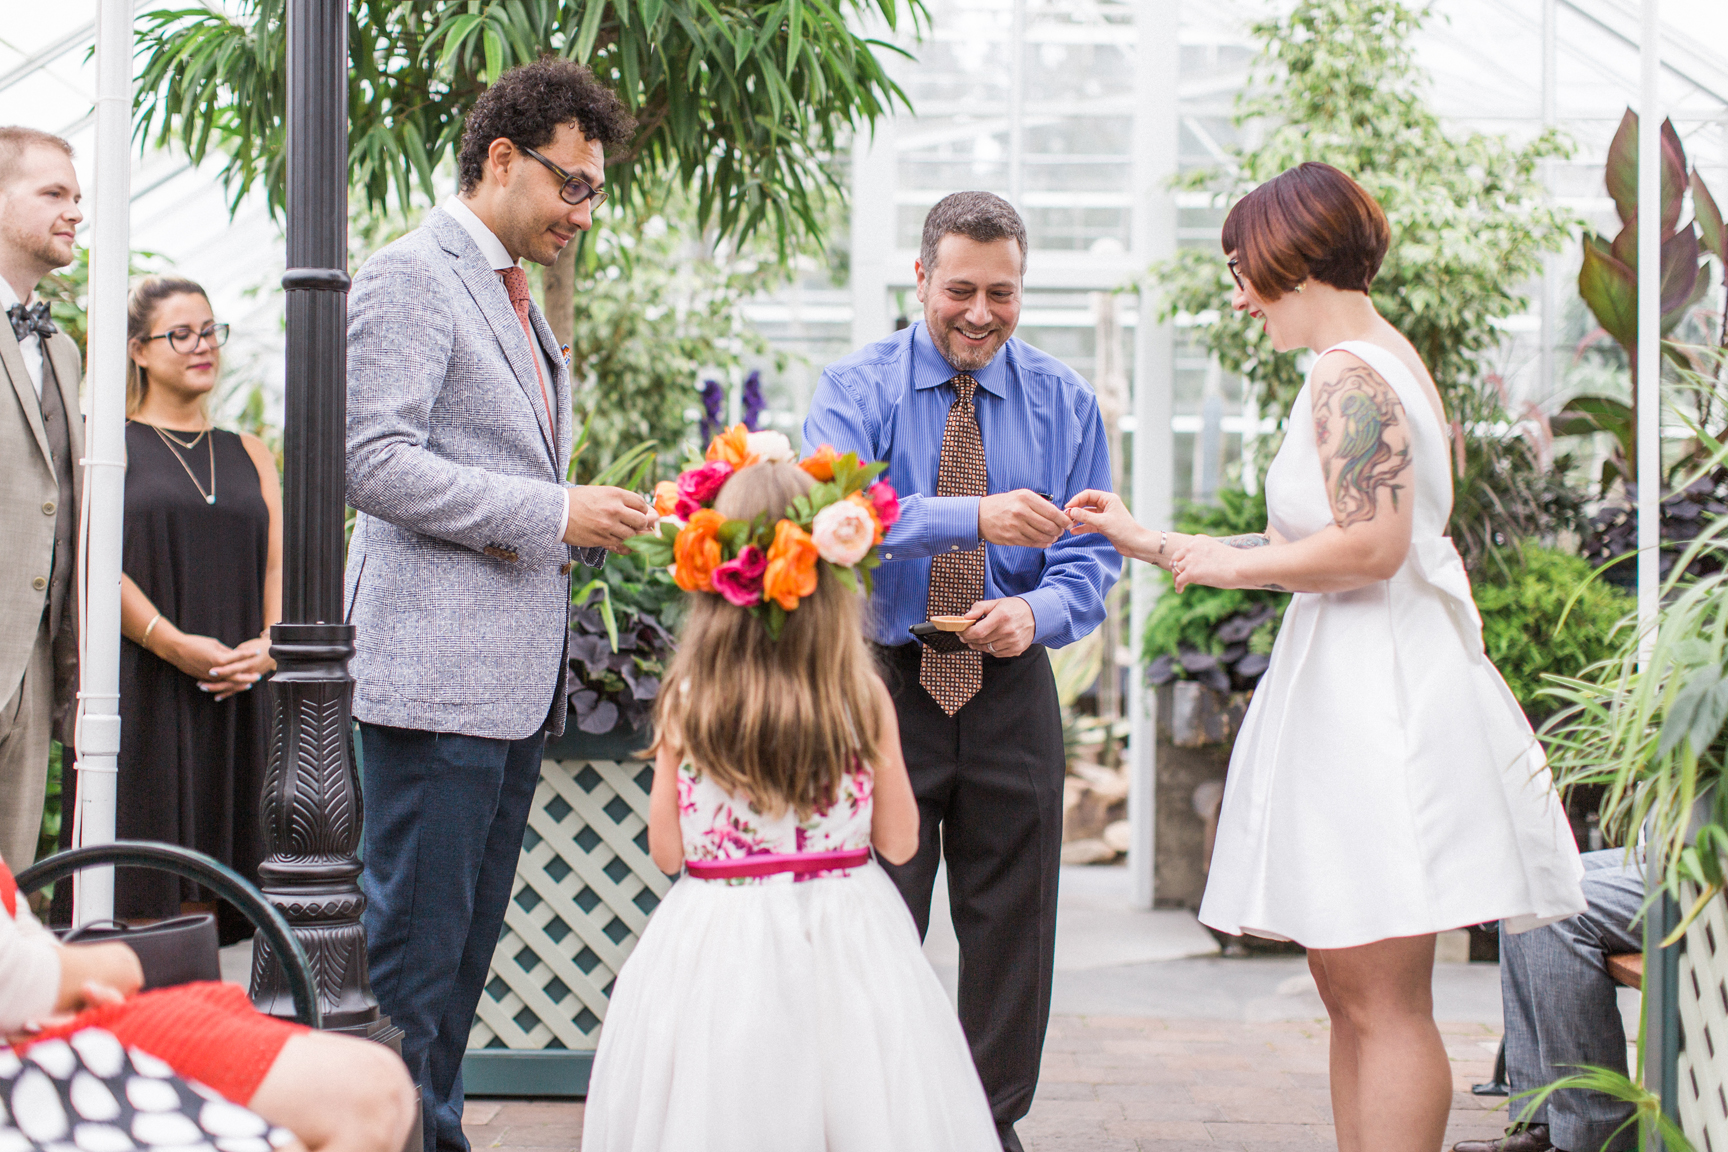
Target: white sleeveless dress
point(774, 1013)
point(1385, 782)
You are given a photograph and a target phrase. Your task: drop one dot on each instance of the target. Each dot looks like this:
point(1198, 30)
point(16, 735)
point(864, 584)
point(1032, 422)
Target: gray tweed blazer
point(458, 578)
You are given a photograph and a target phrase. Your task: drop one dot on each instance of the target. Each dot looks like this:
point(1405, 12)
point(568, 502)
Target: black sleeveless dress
point(191, 766)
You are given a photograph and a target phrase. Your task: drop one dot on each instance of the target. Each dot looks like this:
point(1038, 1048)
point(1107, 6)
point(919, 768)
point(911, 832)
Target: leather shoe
point(1523, 1138)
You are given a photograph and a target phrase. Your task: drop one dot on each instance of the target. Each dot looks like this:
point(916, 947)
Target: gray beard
point(960, 361)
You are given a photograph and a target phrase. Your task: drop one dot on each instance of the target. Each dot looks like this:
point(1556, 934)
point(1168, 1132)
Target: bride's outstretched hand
point(1096, 511)
point(1204, 560)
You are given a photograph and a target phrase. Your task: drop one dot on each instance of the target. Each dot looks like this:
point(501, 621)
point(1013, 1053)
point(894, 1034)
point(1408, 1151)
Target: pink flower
point(740, 579)
point(700, 485)
point(886, 502)
point(843, 532)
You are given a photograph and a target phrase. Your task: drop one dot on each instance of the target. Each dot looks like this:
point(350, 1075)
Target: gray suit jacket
point(458, 575)
point(26, 524)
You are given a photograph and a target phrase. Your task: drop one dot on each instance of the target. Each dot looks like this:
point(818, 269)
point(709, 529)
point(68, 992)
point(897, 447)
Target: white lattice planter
point(1703, 996)
point(585, 886)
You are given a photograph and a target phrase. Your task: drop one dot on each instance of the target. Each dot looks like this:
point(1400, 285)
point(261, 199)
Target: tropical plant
point(1648, 724)
point(742, 102)
point(623, 620)
point(1522, 612)
point(654, 307)
point(1338, 81)
point(1608, 278)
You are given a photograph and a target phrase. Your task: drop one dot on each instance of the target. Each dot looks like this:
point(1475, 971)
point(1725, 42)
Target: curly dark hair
point(528, 103)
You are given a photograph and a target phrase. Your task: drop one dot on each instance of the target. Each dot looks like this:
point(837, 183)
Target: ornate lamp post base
point(311, 817)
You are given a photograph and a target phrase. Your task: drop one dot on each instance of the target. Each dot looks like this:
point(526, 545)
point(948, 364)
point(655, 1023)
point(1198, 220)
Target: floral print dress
point(717, 825)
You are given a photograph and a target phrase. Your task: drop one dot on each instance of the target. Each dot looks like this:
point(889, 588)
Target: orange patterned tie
point(516, 283)
point(957, 578)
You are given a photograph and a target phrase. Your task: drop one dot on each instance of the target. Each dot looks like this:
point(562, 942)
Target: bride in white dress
point(1385, 785)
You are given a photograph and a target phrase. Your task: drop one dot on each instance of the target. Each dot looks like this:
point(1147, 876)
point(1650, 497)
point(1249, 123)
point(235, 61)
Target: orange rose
point(821, 463)
point(865, 503)
point(696, 551)
point(666, 497)
point(791, 574)
point(732, 446)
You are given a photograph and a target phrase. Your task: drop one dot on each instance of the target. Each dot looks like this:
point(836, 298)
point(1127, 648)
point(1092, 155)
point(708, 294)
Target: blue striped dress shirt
point(1041, 430)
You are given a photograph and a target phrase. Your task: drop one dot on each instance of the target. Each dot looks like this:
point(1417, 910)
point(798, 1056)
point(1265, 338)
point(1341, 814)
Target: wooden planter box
point(584, 888)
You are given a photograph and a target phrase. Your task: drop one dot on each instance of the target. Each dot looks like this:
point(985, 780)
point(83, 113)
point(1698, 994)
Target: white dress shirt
point(31, 346)
point(493, 249)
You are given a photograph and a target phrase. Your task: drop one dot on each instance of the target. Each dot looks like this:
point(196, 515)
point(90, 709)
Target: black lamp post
point(310, 810)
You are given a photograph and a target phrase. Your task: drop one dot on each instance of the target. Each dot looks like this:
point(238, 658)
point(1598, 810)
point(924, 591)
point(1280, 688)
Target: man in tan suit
point(41, 442)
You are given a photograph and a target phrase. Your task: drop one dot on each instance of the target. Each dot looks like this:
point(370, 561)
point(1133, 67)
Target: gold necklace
point(168, 442)
point(186, 444)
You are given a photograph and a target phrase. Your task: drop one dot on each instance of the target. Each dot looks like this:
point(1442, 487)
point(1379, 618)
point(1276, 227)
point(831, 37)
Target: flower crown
point(768, 567)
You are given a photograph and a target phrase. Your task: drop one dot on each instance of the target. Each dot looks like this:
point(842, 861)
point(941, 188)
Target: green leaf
point(844, 575)
point(1709, 218)
point(590, 30)
point(1697, 713)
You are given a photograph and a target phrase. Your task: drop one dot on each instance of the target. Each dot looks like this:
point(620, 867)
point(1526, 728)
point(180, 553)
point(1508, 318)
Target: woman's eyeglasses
point(1235, 275)
point(575, 189)
point(185, 339)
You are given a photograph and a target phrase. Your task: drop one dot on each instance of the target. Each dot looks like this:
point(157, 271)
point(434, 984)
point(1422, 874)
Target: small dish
point(952, 623)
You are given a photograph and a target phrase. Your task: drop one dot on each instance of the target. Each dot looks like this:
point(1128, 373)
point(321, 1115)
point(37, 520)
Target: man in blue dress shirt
point(985, 438)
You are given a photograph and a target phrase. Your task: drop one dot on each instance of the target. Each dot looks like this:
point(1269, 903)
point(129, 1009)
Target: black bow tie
point(30, 318)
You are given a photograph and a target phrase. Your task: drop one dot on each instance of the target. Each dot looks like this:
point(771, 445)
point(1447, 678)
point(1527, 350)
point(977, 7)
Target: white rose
point(843, 532)
point(769, 447)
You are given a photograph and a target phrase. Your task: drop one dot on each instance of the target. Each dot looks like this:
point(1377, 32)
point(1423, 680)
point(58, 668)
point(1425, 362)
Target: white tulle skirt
point(783, 1017)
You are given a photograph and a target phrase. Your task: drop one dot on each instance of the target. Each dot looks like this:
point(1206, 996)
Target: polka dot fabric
point(90, 1093)
point(957, 578)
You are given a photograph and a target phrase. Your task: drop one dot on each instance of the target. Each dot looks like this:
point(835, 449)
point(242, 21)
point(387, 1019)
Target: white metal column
point(873, 230)
point(1649, 317)
point(97, 740)
point(1154, 238)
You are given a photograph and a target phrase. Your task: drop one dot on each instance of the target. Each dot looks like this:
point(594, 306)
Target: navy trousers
point(444, 821)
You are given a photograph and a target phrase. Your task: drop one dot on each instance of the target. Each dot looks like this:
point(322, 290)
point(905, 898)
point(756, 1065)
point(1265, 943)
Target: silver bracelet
point(148, 628)
point(1163, 540)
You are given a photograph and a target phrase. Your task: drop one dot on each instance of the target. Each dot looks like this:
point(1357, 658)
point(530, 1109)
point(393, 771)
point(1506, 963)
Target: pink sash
point(768, 863)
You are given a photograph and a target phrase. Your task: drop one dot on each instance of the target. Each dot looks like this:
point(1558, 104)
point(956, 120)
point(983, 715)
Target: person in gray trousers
point(1561, 1011)
point(458, 578)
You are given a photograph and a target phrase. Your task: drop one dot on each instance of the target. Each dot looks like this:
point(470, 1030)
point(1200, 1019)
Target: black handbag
point(181, 950)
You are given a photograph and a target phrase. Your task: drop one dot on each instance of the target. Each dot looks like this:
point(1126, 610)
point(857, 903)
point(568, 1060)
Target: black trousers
point(989, 786)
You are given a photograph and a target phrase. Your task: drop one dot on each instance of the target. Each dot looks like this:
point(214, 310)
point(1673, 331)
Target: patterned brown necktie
point(957, 578)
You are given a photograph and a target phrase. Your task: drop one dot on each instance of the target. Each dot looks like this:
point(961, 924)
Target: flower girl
point(778, 1000)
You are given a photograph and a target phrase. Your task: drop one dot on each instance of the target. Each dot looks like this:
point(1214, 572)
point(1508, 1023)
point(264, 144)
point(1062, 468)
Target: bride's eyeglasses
point(186, 339)
point(1235, 275)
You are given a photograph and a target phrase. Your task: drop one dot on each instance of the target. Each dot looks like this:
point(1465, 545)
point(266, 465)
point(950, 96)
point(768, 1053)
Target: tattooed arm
point(1364, 442)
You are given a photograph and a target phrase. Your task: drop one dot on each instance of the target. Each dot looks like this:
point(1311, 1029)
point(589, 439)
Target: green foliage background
point(1521, 622)
point(1337, 81)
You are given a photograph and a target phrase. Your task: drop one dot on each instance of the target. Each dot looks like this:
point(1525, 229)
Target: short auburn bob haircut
point(1308, 222)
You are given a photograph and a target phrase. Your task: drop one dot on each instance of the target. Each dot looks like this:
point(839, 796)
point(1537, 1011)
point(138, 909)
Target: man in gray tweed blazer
point(458, 580)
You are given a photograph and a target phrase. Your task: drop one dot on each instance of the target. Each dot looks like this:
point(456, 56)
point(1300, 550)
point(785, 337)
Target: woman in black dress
point(201, 586)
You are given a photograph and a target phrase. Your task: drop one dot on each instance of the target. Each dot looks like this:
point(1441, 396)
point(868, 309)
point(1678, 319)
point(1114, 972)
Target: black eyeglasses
point(575, 189)
point(186, 340)
point(1235, 275)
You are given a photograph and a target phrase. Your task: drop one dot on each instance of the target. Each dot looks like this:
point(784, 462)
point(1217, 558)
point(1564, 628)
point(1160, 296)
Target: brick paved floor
point(1127, 1084)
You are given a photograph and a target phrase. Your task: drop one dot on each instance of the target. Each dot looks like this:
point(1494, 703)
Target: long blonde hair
point(781, 721)
point(147, 296)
